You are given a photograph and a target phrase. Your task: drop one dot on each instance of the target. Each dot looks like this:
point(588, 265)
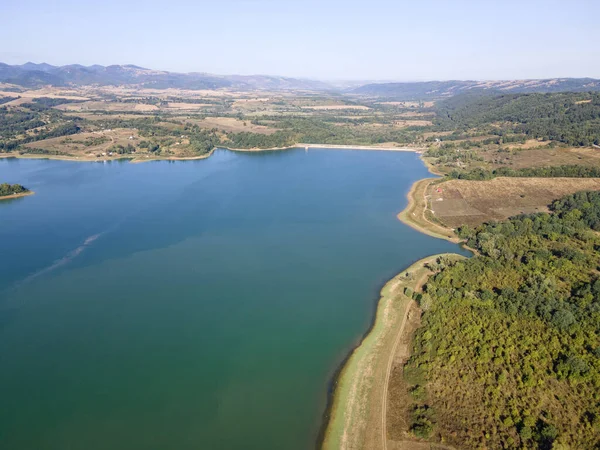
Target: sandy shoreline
point(22, 194)
point(363, 147)
point(415, 213)
point(357, 414)
point(329, 147)
point(356, 417)
point(136, 159)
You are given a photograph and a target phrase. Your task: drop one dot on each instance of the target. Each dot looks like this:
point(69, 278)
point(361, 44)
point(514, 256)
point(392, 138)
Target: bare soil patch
point(465, 202)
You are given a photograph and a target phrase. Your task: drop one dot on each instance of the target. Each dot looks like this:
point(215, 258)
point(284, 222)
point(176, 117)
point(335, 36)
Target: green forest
point(33, 122)
point(509, 352)
point(568, 117)
point(568, 171)
point(11, 189)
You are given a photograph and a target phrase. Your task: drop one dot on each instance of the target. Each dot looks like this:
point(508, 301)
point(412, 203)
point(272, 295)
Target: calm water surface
point(192, 305)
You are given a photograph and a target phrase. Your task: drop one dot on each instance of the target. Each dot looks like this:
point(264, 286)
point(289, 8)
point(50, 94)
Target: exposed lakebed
point(196, 304)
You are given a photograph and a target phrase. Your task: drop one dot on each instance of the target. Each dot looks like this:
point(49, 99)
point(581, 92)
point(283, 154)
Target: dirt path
point(418, 285)
point(388, 372)
point(359, 409)
point(414, 215)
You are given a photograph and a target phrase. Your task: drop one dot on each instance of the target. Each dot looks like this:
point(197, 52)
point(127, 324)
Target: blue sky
point(328, 39)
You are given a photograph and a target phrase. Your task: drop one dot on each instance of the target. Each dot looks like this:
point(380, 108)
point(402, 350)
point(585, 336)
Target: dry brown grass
point(48, 92)
point(232, 124)
point(99, 116)
point(412, 123)
point(408, 104)
point(416, 114)
point(121, 91)
point(540, 157)
point(529, 143)
point(107, 106)
point(336, 107)
point(465, 202)
point(180, 106)
point(74, 144)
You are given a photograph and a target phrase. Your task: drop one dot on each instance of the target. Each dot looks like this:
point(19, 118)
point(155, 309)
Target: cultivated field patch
point(541, 157)
point(231, 124)
point(465, 202)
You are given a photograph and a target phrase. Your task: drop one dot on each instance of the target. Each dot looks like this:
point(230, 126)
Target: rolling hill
point(439, 89)
point(34, 75)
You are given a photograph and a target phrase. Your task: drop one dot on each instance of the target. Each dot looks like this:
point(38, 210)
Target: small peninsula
point(13, 191)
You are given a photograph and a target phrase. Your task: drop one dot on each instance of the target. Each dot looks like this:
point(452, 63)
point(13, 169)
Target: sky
point(327, 39)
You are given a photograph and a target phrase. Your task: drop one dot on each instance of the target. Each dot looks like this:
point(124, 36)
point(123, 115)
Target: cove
point(195, 304)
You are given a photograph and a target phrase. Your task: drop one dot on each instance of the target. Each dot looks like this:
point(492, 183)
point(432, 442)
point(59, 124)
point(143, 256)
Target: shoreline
point(355, 414)
point(363, 147)
point(135, 159)
point(349, 422)
point(19, 195)
point(356, 410)
point(414, 214)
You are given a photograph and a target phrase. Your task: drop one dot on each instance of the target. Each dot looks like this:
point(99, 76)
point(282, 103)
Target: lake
point(193, 304)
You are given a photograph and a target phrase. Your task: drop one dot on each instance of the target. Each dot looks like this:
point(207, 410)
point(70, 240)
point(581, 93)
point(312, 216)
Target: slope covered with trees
point(570, 171)
point(433, 90)
point(509, 352)
point(571, 118)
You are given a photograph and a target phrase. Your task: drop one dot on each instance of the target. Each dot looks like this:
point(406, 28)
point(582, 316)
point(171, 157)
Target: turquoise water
point(192, 305)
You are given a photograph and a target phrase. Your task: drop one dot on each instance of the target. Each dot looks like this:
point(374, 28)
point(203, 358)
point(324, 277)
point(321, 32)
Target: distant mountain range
point(36, 75)
point(439, 89)
point(33, 75)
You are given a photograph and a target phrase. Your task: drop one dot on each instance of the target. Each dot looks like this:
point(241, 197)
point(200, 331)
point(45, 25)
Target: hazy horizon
point(333, 80)
point(330, 40)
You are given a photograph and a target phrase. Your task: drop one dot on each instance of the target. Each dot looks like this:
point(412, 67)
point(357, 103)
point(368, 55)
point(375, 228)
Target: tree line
point(567, 171)
point(508, 355)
